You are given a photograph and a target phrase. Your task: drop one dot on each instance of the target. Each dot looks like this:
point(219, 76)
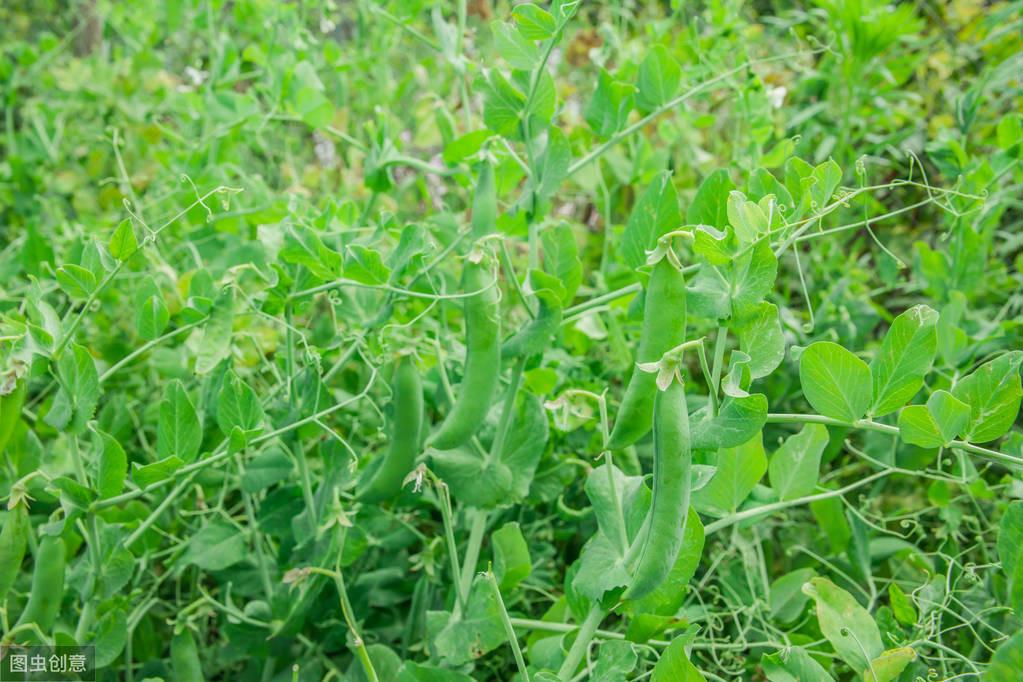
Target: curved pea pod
point(482, 360)
point(385, 481)
point(664, 327)
point(185, 658)
point(47, 584)
point(670, 504)
point(10, 410)
point(13, 541)
point(536, 334)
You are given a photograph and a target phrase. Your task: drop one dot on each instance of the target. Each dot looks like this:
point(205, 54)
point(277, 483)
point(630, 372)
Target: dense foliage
point(420, 340)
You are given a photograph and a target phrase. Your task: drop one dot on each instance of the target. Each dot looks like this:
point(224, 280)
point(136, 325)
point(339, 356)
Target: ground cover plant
point(444, 341)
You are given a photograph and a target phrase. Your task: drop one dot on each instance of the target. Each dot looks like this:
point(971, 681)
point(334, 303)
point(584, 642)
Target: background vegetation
point(222, 222)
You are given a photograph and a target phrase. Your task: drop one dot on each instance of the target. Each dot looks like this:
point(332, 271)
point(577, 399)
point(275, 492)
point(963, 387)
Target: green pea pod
point(482, 360)
point(535, 335)
point(670, 504)
point(185, 658)
point(13, 541)
point(664, 327)
point(484, 202)
point(47, 584)
point(386, 480)
point(10, 410)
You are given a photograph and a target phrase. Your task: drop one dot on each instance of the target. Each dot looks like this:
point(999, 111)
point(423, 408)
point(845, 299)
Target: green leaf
point(303, 247)
point(561, 259)
point(113, 466)
point(655, 213)
point(178, 431)
point(609, 108)
point(897, 371)
point(835, 382)
point(993, 393)
point(710, 205)
point(795, 466)
point(534, 23)
point(502, 104)
point(477, 632)
point(268, 467)
point(659, 79)
point(739, 418)
point(474, 480)
point(465, 146)
point(215, 547)
point(889, 665)
point(79, 392)
point(76, 281)
point(761, 338)
point(1010, 537)
point(902, 606)
point(146, 475)
point(746, 217)
point(675, 666)
point(753, 276)
point(847, 625)
point(602, 568)
point(122, 242)
point(110, 638)
point(416, 672)
point(238, 406)
point(1007, 661)
point(785, 595)
point(935, 424)
point(514, 47)
point(739, 469)
point(512, 564)
point(793, 664)
point(553, 164)
point(216, 338)
point(151, 318)
point(313, 107)
point(615, 660)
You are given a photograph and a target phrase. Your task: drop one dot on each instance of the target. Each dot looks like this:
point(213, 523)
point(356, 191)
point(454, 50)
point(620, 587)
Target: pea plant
point(426, 341)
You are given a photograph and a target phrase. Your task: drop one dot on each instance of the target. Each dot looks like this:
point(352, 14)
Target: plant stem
point(449, 536)
point(508, 629)
point(582, 642)
point(472, 551)
point(869, 425)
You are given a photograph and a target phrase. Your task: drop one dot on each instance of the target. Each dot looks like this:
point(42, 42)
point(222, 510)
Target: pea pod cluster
point(670, 504)
point(47, 585)
point(664, 327)
point(482, 360)
point(385, 480)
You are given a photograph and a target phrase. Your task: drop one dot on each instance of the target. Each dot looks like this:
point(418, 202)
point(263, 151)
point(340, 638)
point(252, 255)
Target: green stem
point(472, 551)
point(508, 629)
point(582, 642)
point(869, 425)
point(449, 536)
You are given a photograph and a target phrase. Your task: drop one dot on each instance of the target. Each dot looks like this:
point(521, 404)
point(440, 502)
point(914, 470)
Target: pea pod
point(47, 584)
point(482, 360)
point(185, 658)
point(10, 410)
point(484, 202)
point(664, 327)
point(13, 541)
point(670, 504)
point(385, 481)
point(536, 334)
